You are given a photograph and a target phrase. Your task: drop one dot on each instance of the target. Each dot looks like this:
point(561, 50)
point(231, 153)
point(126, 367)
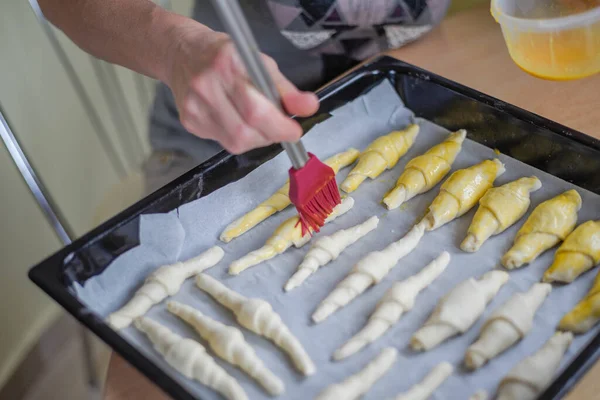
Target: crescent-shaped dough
point(586, 313)
point(280, 200)
point(162, 283)
point(189, 358)
point(258, 316)
point(368, 272)
point(458, 310)
point(461, 191)
point(383, 153)
point(425, 171)
point(358, 384)
point(499, 208)
point(549, 223)
point(228, 343)
point(532, 375)
point(399, 298)
point(579, 252)
point(328, 248)
point(433, 380)
point(287, 234)
point(507, 325)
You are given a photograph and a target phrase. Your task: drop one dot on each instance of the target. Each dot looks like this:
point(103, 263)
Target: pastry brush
point(313, 189)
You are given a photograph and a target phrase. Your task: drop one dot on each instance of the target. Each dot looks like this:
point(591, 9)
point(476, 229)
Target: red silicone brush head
point(314, 192)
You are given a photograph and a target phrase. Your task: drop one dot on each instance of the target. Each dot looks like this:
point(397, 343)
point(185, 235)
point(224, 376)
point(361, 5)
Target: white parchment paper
point(194, 227)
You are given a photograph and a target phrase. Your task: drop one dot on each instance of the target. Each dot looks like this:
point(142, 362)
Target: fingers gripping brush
point(313, 189)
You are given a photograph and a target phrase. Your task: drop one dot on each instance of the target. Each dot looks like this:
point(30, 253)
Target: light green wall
point(460, 5)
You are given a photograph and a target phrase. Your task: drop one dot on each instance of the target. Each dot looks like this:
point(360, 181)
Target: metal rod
point(233, 18)
point(95, 120)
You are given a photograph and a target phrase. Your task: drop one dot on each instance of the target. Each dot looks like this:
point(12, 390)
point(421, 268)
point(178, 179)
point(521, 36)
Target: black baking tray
point(537, 141)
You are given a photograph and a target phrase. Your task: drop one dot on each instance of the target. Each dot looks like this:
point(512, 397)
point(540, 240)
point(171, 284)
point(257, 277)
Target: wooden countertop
point(467, 48)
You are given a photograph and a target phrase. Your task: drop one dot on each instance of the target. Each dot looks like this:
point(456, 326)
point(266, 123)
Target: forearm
point(136, 34)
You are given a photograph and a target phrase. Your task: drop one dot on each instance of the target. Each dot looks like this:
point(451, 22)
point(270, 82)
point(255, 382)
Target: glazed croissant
point(190, 359)
point(258, 316)
point(328, 248)
point(228, 343)
point(585, 314)
point(287, 234)
point(279, 200)
point(507, 325)
point(425, 171)
point(499, 208)
point(532, 375)
point(356, 385)
point(162, 283)
point(461, 191)
point(458, 310)
point(399, 299)
point(369, 271)
point(579, 252)
point(548, 224)
point(383, 153)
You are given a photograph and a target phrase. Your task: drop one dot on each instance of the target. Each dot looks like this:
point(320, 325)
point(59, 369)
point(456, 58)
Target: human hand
point(216, 99)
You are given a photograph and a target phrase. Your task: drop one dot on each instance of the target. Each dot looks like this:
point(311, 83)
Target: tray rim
point(48, 268)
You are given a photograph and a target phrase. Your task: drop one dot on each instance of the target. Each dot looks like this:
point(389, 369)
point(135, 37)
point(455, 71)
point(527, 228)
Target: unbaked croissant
point(586, 313)
point(434, 379)
point(190, 359)
point(280, 200)
point(399, 299)
point(383, 153)
point(356, 385)
point(532, 375)
point(162, 283)
point(548, 224)
point(328, 248)
point(458, 310)
point(499, 208)
point(258, 316)
point(288, 234)
point(425, 171)
point(370, 270)
point(579, 252)
point(507, 325)
point(461, 191)
point(228, 343)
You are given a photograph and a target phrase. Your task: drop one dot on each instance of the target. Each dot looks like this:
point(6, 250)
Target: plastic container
point(552, 39)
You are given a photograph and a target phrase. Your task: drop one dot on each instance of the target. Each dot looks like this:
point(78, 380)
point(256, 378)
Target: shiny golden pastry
point(585, 314)
point(548, 224)
point(579, 252)
point(499, 208)
point(280, 200)
point(461, 191)
point(425, 171)
point(383, 153)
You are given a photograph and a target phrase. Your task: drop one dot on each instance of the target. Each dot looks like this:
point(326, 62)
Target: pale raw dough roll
point(425, 171)
point(258, 316)
point(228, 343)
point(358, 384)
point(499, 208)
point(400, 298)
point(367, 272)
point(190, 359)
point(328, 248)
point(458, 310)
point(162, 283)
point(507, 325)
point(532, 375)
point(288, 234)
point(434, 379)
point(383, 153)
point(547, 225)
point(280, 200)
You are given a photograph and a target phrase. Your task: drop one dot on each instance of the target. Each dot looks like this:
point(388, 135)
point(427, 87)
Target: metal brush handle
point(232, 17)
